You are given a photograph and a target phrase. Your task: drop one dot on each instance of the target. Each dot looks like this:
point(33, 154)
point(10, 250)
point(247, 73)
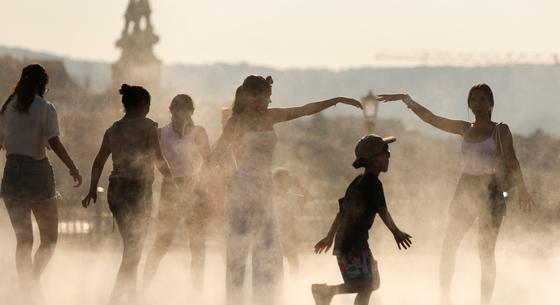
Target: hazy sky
point(287, 33)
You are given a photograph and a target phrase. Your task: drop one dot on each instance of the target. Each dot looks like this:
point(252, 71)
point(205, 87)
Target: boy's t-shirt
point(364, 197)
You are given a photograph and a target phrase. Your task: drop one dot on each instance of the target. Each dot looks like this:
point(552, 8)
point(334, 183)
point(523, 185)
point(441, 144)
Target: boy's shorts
point(357, 265)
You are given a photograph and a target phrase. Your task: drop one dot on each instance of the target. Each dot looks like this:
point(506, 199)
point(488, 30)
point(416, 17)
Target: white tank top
point(479, 157)
point(182, 153)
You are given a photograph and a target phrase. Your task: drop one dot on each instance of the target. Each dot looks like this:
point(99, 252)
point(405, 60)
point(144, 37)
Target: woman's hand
point(394, 97)
point(92, 195)
point(402, 239)
point(348, 101)
point(76, 176)
point(324, 245)
point(525, 201)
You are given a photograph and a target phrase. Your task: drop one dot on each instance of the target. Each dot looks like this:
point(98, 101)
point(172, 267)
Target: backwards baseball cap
point(369, 146)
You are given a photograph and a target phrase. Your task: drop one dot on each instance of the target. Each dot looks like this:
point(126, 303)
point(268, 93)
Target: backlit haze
point(289, 33)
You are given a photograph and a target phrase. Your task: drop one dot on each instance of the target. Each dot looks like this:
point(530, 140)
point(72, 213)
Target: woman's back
point(130, 143)
point(27, 133)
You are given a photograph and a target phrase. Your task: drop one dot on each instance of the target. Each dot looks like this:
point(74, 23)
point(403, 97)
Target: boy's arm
point(402, 238)
point(325, 244)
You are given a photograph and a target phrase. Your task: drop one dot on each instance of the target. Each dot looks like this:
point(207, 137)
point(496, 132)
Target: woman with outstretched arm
point(249, 209)
point(477, 195)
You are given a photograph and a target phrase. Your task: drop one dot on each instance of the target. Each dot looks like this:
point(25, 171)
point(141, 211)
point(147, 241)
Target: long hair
point(252, 85)
point(33, 80)
point(133, 96)
point(180, 102)
point(485, 89)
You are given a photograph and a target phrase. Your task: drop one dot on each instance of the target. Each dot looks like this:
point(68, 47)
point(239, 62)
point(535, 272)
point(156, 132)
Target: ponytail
point(33, 80)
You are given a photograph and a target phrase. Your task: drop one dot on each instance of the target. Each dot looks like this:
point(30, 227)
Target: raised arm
point(96, 170)
point(445, 124)
point(325, 244)
point(402, 238)
point(525, 200)
point(61, 152)
point(286, 114)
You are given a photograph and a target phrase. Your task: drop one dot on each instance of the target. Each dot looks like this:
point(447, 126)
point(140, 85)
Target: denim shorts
point(129, 197)
point(27, 179)
point(477, 196)
point(188, 199)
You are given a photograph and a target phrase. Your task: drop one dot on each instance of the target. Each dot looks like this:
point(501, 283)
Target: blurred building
point(138, 64)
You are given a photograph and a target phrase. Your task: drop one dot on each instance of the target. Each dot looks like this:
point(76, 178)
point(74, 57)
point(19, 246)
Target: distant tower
point(138, 65)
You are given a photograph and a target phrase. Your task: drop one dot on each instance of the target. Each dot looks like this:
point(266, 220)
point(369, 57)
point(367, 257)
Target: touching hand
point(349, 101)
point(403, 239)
point(324, 245)
point(394, 97)
point(90, 196)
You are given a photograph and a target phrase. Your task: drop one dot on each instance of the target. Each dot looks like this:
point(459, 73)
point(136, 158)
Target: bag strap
point(498, 139)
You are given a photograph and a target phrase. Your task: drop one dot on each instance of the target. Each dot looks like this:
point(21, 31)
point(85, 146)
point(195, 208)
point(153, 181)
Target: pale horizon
point(290, 34)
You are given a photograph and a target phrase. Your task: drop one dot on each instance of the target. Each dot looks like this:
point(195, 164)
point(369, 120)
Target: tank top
point(131, 150)
point(256, 151)
point(182, 153)
point(479, 157)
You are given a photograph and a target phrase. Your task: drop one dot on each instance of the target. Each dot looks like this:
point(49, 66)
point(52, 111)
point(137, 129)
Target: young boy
point(363, 199)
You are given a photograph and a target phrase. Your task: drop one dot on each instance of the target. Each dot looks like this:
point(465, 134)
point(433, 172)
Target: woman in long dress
point(250, 221)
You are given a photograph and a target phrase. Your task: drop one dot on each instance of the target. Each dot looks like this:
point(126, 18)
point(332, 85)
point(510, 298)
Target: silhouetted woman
point(249, 209)
point(133, 143)
point(477, 195)
point(185, 146)
point(28, 123)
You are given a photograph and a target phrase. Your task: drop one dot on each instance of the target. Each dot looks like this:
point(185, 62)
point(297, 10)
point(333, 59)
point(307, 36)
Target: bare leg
point(197, 237)
point(362, 298)
point(166, 229)
point(237, 247)
point(487, 235)
point(456, 229)
point(132, 229)
point(46, 215)
point(325, 293)
point(20, 217)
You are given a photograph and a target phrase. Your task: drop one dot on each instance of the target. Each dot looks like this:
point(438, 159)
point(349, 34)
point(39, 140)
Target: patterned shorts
point(357, 265)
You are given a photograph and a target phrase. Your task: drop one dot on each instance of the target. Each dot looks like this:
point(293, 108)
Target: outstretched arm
point(445, 124)
point(286, 114)
point(61, 152)
point(402, 238)
point(96, 171)
point(325, 244)
point(525, 200)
